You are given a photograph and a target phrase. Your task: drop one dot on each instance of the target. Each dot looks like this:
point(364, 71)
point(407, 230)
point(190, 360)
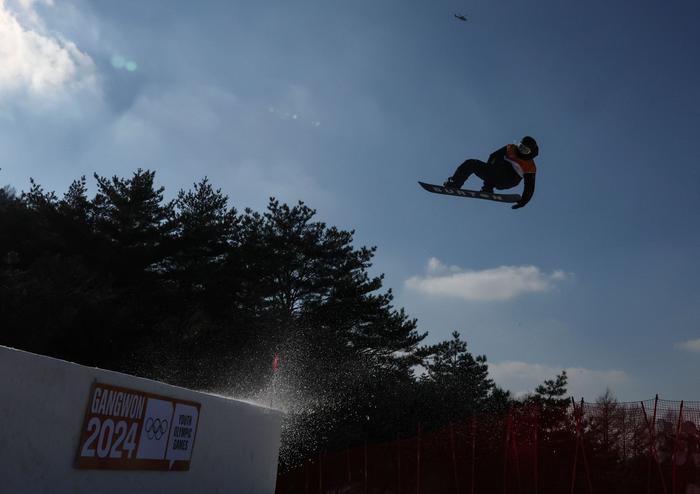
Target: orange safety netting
point(650, 446)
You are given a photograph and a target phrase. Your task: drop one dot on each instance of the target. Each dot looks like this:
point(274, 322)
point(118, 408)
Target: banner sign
point(126, 429)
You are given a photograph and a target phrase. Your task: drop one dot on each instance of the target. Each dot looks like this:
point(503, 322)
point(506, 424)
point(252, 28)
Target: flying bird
point(460, 17)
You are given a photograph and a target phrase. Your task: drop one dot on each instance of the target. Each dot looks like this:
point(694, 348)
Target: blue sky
point(345, 105)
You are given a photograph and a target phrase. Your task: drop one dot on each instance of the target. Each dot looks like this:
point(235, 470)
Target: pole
point(537, 449)
point(516, 456)
point(573, 472)
point(656, 460)
point(275, 366)
point(365, 466)
point(418, 460)
point(320, 473)
point(473, 476)
point(624, 435)
point(675, 449)
point(651, 447)
point(505, 450)
point(398, 463)
point(583, 449)
point(651, 425)
point(454, 456)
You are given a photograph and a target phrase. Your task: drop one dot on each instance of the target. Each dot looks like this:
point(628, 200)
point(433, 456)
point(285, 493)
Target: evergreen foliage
point(195, 293)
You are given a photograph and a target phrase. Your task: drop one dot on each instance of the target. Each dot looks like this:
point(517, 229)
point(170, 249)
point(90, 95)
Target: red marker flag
point(275, 362)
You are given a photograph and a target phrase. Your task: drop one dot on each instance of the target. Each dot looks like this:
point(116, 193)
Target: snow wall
point(69, 428)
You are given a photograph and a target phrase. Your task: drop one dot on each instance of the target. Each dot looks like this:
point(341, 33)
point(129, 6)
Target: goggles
point(523, 148)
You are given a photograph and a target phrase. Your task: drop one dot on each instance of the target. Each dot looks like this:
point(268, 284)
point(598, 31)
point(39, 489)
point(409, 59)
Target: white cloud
point(251, 184)
point(37, 63)
point(190, 109)
point(523, 377)
point(690, 345)
point(203, 130)
point(501, 283)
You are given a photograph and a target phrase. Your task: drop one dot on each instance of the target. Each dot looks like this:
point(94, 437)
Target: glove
point(517, 205)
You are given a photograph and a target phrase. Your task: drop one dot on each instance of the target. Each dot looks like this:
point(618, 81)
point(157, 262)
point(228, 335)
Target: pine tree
point(341, 342)
point(131, 217)
point(454, 379)
point(133, 228)
point(557, 430)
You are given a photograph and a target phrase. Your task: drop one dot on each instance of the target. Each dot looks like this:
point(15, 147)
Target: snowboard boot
point(487, 188)
point(451, 184)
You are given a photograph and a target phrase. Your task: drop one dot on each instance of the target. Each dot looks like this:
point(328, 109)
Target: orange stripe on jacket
point(520, 165)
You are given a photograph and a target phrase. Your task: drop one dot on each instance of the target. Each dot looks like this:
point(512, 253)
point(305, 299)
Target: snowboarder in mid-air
point(505, 169)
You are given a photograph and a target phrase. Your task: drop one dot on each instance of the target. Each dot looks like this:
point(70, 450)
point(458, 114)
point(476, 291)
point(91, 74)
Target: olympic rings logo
point(156, 428)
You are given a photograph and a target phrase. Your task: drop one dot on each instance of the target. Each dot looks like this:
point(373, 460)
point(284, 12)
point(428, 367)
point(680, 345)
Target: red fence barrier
point(650, 447)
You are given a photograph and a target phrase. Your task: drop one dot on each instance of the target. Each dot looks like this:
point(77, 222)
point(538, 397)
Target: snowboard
point(489, 196)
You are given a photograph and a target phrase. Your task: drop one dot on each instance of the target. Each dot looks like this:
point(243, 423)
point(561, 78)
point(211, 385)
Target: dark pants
point(497, 175)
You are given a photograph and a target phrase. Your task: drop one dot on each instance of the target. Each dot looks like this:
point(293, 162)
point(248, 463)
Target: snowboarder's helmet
point(527, 148)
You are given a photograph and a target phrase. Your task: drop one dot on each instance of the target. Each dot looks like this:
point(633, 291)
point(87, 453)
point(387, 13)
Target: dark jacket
point(515, 169)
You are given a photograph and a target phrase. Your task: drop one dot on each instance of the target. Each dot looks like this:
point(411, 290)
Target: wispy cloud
point(524, 377)
point(501, 283)
point(690, 345)
point(36, 63)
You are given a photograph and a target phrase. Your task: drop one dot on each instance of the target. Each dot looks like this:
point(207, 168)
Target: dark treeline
point(195, 293)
